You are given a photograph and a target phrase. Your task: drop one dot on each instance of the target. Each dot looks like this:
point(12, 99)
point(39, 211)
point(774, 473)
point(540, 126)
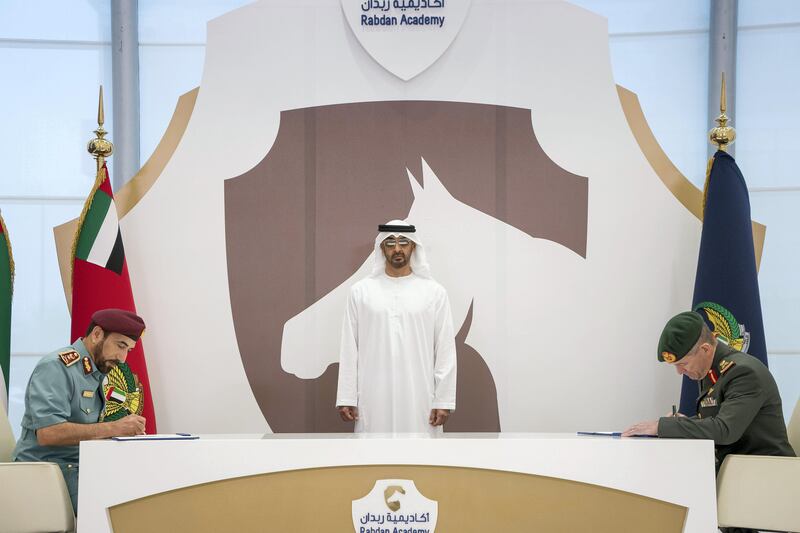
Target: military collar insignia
point(668, 357)
point(713, 376)
point(69, 357)
point(87, 365)
point(725, 365)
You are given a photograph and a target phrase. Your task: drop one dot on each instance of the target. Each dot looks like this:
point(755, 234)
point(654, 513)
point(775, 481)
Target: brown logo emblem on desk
point(395, 505)
point(392, 501)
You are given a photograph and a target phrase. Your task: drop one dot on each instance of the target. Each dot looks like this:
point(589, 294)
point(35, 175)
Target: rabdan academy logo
point(395, 506)
point(388, 28)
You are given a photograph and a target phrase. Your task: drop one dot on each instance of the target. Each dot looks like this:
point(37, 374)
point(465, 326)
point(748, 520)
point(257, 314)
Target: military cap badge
point(668, 357)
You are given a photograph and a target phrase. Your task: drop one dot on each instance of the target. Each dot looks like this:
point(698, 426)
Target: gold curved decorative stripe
point(134, 190)
point(469, 499)
point(690, 196)
point(64, 235)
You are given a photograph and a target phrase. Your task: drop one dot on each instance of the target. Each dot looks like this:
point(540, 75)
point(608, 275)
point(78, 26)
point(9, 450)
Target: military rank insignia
point(725, 365)
point(69, 357)
point(123, 394)
point(87, 365)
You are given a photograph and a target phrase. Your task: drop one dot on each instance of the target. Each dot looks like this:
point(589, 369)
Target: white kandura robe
point(398, 354)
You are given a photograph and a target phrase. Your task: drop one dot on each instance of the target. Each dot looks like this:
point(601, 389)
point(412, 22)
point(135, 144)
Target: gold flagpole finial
point(722, 135)
point(101, 116)
point(100, 147)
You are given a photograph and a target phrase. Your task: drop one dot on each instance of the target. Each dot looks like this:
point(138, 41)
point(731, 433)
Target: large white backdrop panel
point(570, 341)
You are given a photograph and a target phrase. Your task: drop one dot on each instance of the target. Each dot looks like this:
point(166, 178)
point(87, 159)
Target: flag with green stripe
point(6, 291)
point(100, 241)
point(100, 277)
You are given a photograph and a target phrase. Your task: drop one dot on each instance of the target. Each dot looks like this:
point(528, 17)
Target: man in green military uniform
point(739, 406)
point(64, 397)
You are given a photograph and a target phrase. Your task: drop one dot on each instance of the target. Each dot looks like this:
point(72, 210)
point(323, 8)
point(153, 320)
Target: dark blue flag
point(726, 286)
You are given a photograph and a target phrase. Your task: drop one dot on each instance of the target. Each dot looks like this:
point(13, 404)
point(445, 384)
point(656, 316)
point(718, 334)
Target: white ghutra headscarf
point(419, 260)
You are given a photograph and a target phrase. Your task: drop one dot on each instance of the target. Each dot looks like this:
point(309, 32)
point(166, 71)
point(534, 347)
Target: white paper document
point(159, 436)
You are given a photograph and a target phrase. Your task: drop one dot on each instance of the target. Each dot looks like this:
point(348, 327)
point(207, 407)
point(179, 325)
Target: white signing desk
point(400, 484)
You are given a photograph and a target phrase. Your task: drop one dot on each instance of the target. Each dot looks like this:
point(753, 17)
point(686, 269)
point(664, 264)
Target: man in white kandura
point(397, 364)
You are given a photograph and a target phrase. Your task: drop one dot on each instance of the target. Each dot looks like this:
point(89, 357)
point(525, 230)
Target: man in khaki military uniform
point(739, 406)
point(64, 397)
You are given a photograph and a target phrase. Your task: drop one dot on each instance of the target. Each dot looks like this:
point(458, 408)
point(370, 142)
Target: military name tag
point(88, 394)
point(69, 357)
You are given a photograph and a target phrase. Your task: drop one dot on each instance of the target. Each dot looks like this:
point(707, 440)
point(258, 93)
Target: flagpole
point(722, 135)
point(100, 148)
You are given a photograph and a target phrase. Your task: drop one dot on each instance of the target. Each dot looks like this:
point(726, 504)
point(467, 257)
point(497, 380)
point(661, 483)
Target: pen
point(674, 410)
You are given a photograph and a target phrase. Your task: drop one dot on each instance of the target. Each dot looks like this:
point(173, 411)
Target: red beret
point(119, 321)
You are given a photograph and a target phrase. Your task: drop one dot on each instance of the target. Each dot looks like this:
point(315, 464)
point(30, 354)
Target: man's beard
point(403, 261)
point(104, 366)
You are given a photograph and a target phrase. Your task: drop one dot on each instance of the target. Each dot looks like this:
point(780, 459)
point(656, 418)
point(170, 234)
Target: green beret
point(679, 335)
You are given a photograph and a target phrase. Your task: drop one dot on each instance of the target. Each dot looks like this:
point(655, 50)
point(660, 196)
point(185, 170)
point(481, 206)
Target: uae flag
point(100, 276)
point(6, 289)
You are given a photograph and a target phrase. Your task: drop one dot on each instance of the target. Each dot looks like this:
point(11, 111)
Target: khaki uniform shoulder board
point(69, 357)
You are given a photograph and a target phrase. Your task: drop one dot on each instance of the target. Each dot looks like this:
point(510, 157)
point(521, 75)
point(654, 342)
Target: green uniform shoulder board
point(69, 357)
point(725, 365)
